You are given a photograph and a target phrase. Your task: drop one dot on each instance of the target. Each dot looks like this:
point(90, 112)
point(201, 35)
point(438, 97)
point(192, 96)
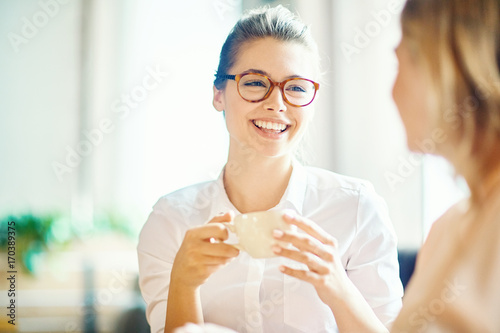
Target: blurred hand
point(203, 252)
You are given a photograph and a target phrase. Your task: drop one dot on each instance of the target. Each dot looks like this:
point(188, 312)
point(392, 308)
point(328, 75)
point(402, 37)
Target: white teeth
point(270, 125)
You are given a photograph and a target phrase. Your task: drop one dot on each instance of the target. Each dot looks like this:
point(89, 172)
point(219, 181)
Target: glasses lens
point(253, 87)
point(299, 91)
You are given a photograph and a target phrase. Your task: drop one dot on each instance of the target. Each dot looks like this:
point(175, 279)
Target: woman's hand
point(203, 252)
point(318, 251)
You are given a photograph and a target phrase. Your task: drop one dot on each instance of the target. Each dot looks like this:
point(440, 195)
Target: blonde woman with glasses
point(346, 276)
point(448, 90)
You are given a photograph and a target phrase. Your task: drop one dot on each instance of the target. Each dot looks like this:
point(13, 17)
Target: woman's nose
point(275, 101)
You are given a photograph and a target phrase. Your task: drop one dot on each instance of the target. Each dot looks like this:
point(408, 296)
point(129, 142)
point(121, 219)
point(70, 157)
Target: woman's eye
point(296, 89)
point(255, 84)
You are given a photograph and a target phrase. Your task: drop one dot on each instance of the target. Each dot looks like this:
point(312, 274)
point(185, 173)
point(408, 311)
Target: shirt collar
point(293, 198)
point(296, 190)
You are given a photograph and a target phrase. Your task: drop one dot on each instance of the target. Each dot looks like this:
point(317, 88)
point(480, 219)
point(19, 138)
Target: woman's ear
point(218, 100)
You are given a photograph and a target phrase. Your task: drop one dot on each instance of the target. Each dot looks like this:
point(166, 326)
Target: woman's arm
point(202, 253)
point(318, 251)
point(183, 306)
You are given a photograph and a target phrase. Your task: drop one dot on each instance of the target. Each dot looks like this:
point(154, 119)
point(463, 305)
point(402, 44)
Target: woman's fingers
point(208, 231)
point(218, 233)
point(218, 249)
point(306, 243)
point(307, 276)
point(313, 262)
point(317, 251)
point(202, 252)
point(208, 239)
point(216, 260)
point(310, 228)
point(313, 247)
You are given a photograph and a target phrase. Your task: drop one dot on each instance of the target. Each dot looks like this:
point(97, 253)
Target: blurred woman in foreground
point(448, 95)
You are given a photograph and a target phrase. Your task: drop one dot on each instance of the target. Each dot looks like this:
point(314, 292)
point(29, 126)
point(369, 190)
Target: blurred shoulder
point(450, 218)
point(442, 234)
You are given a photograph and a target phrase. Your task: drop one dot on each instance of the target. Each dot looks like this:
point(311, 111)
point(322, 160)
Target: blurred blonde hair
point(458, 43)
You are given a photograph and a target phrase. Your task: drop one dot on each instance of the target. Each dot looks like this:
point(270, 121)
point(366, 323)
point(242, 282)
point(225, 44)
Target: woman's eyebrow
point(258, 71)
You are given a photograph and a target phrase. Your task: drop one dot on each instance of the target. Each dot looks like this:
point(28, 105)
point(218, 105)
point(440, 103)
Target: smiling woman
point(341, 272)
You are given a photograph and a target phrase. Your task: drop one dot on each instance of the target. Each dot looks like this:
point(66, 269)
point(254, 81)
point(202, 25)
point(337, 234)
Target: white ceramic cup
point(255, 232)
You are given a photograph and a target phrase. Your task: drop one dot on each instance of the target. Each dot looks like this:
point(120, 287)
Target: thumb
point(224, 217)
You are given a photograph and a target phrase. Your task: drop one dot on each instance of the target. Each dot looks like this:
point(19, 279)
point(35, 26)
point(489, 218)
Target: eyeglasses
point(255, 87)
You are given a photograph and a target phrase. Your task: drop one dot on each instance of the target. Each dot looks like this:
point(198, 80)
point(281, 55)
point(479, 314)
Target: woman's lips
point(270, 129)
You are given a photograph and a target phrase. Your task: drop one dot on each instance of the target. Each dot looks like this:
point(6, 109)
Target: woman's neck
point(256, 183)
point(482, 177)
point(483, 183)
point(489, 185)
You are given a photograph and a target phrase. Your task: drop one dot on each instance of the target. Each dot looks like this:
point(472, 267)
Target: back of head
point(458, 43)
point(276, 22)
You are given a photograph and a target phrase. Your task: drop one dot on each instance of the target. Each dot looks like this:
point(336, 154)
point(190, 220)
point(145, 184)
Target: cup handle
point(231, 228)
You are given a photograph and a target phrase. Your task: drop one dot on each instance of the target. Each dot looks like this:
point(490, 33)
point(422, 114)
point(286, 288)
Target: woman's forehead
point(275, 58)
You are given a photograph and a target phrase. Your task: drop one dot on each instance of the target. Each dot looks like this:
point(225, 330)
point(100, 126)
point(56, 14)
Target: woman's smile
point(272, 129)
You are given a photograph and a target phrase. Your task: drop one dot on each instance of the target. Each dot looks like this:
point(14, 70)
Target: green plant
point(35, 235)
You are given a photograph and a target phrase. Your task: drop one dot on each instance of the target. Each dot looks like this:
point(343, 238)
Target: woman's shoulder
point(442, 234)
point(469, 266)
point(175, 213)
point(449, 219)
point(193, 196)
point(184, 207)
point(346, 196)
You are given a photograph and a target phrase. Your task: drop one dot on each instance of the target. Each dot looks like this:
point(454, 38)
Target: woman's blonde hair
point(459, 44)
point(276, 22)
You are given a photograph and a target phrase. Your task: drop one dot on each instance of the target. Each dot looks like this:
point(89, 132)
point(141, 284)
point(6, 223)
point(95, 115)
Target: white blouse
point(252, 295)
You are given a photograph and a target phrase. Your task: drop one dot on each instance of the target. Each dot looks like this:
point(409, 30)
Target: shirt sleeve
point(158, 244)
point(372, 261)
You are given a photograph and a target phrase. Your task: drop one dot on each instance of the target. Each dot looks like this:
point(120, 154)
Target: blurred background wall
point(106, 106)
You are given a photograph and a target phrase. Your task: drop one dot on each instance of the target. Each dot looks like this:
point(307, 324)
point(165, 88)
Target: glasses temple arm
point(225, 76)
